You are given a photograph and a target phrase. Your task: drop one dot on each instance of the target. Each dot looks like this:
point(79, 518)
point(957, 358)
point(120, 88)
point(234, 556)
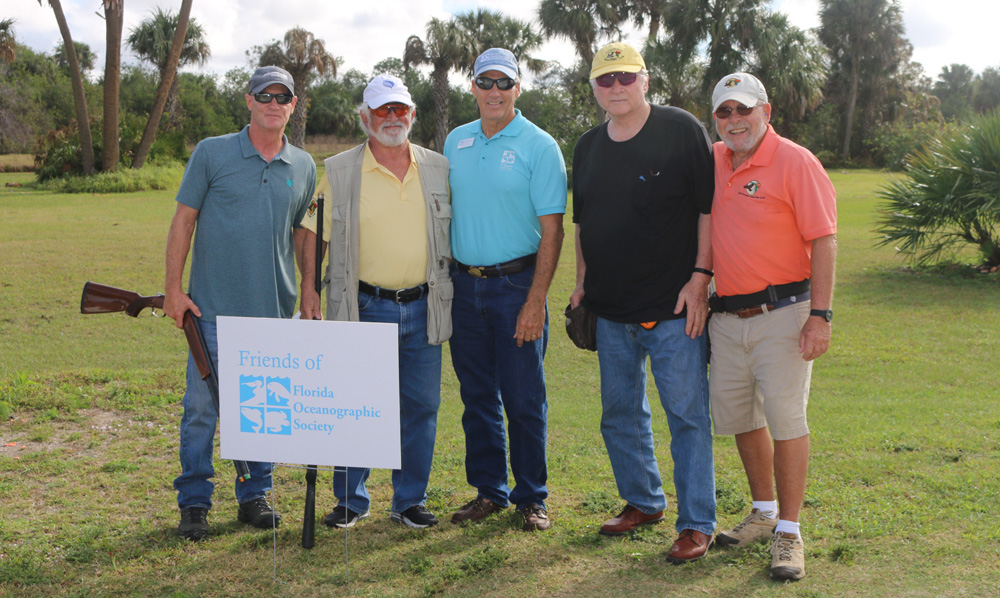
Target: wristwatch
point(826, 314)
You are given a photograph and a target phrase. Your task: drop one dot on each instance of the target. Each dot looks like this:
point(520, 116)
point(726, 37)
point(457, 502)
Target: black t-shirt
point(637, 203)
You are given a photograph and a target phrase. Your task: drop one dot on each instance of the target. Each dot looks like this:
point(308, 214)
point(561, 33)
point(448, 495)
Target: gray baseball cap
point(266, 76)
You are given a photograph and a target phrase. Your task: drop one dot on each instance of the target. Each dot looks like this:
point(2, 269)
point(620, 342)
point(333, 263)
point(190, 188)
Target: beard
point(392, 135)
point(757, 131)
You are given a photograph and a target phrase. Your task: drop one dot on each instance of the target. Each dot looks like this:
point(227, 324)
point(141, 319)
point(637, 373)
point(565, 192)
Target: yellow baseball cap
point(616, 57)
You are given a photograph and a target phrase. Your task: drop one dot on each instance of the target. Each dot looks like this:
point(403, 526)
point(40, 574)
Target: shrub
point(949, 198)
point(124, 180)
point(892, 143)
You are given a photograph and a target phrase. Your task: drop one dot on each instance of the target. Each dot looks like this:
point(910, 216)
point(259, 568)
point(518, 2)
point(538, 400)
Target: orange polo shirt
point(766, 213)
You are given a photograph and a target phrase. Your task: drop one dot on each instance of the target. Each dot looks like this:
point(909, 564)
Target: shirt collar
point(512, 129)
point(249, 151)
point(369, 163)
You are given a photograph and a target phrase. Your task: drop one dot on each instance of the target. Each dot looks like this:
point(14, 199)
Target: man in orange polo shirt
point(774, 224)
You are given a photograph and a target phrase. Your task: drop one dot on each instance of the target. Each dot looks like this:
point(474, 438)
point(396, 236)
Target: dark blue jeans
point(194, 486)
point(419, 398)
point(497, 376)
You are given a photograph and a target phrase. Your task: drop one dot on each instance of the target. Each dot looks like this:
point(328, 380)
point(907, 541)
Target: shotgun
point(309, 517)
point(102, 299)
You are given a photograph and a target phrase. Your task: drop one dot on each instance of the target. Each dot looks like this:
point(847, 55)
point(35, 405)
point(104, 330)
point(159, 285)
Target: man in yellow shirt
point(386, 219)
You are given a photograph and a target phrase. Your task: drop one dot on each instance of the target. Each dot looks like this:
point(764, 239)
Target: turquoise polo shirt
point(499, 188)
point(242, 263)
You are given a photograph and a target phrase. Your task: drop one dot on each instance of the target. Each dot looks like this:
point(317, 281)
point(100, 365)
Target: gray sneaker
point(788, 557)
point(753, 528)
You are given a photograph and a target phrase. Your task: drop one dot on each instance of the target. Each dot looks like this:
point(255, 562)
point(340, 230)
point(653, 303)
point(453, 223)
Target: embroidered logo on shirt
point(507, 160)
point(289, 181)
point(752, 187)
point(312, 209)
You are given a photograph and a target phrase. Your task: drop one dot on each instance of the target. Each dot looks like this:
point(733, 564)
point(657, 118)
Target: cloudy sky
point(363, 33)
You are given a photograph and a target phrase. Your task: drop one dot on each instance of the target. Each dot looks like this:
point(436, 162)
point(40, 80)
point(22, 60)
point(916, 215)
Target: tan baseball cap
point(616, 57)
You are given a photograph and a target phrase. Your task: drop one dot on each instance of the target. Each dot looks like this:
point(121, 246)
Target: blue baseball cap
point(496, 59)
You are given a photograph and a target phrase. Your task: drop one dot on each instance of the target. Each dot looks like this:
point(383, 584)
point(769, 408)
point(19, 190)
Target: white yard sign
point(309, 392)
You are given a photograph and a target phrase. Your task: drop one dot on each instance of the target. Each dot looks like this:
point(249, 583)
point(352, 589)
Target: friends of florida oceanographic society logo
point(277, 405)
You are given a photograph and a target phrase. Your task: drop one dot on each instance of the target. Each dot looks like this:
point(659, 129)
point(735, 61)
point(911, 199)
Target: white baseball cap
point(742, 87)
point(386, 89)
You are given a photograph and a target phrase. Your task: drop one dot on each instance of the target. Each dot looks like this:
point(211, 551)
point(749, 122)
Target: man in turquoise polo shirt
point(508, 189)
point(246, 192)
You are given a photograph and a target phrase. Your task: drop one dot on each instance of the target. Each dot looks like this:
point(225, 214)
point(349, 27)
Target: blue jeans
point(680, 371)
point(419, 398)
point(497, 376)
point(194, 486)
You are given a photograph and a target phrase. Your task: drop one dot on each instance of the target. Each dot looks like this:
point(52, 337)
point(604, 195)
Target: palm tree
point(791, 65)
point(177, 47)
point(301, 55)
point(446, 49)
point(8, 44)
point(583, 22)
point(652, 10)
point(79, 99)
point(728, 27)
point(113, 11)
point(487, 29)
point(864, 38)
point(152, 41)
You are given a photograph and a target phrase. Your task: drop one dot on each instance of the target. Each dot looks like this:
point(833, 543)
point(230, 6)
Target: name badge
point(462, 143)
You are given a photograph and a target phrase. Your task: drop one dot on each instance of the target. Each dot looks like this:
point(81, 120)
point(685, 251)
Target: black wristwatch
point(826, 314)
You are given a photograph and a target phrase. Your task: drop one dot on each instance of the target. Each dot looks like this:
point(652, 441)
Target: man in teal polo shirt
point(508, 189)
point(246, 192)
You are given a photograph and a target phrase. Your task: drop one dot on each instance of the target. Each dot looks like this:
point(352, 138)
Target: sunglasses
point(608, 79)
point(725, 112)
point(502, 84)
point(401, 110)
point(265, 98)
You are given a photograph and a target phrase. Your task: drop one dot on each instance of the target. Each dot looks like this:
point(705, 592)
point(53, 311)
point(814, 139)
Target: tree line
point(848, 90)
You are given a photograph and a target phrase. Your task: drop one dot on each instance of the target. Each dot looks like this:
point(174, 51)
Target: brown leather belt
point(756, 310)
point(512, 267)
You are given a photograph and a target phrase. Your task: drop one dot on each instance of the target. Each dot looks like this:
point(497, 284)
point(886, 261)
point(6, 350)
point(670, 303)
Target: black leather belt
point(399, 296)
point(512, 267)
point(768, 296)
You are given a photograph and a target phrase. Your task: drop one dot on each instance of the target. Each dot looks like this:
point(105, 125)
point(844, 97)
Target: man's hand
point(814, 339)
point(694, 296)
point(576, 298)
point(176, 304)
point(530, 321)
point(309, 308)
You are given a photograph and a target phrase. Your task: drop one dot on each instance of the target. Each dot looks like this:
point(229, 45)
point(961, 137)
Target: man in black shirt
point(642, 193)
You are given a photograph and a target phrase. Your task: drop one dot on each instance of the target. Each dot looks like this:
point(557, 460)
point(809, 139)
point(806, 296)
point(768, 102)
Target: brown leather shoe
point(535, 518)
point(475, 510)
point(690, 546)
point(628, 520)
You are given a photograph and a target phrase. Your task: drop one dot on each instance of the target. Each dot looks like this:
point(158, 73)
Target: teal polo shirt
point(499, 188)
point(242, 263)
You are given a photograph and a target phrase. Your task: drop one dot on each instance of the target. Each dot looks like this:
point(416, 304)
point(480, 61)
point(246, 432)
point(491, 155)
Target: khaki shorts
point(758, 377)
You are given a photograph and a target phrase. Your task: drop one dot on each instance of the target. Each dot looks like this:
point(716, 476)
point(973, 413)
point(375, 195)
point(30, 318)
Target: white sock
point(767, 508)
point(787, 527)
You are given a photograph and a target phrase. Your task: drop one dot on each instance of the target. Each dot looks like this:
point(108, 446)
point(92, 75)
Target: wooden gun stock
point(102, 299)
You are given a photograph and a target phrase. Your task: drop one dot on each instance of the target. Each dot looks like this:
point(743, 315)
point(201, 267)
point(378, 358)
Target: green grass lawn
point(902, 500)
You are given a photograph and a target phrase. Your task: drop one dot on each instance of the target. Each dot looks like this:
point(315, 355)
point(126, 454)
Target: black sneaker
point(194, 524)
point(416, 516)
point(259, 513)
point(343, 517)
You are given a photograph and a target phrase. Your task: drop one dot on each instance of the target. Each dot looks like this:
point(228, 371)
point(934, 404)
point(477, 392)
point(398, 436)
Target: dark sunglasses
point(383, 111)
point(725, 112)
point(608, 79)
point(265, 98)
point(502, 84)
